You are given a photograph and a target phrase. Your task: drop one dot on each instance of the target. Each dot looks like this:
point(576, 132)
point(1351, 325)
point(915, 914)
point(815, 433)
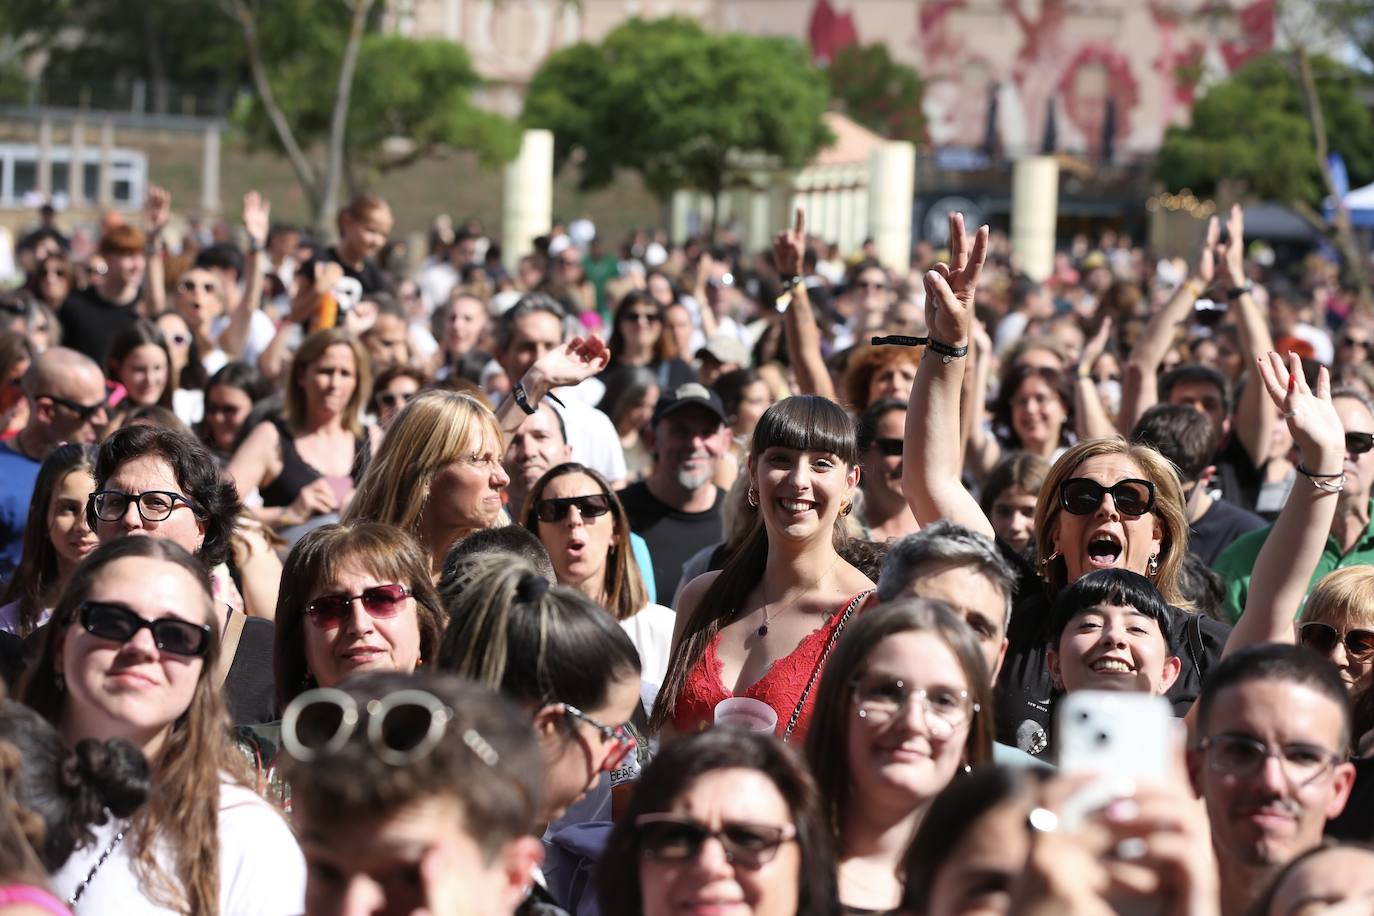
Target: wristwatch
point(1236, 292)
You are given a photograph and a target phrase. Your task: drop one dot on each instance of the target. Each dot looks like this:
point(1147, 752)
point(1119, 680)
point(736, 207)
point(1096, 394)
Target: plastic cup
point(747, 713)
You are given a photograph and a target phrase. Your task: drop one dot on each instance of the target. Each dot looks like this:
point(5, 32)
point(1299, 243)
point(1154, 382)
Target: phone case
point(1121, 737)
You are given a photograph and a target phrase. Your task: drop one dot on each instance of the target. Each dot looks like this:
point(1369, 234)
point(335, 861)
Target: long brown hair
point(36, 573)
point(182, 813)
point(805, 422)
point(828, 738)
point(625, 593)
point(312, 349)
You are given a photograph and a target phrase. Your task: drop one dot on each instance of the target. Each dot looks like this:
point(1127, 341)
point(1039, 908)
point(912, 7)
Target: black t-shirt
point(90, 322)
point(673, 536)
point(1218, 527)
point(250, 688)
point(12, 659)
point(1356, 821)
point(1025, 695)
point(1237, 477)
point(371, 276)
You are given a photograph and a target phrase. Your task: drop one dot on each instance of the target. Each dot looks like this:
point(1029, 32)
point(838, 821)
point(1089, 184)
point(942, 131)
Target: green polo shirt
point(1237, 562)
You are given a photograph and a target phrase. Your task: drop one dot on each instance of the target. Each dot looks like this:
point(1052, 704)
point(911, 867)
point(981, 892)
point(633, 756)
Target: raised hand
point(1206, 260)
point(577, 360)
point(157, 210)
point(257, 217)
point(789, 247)
point(1096, 346)
point(1232, 254)
point(1311, 417)
point(950, 287)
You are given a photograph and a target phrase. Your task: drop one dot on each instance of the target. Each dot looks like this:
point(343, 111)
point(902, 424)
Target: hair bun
point(531, 588)
point(116, 771)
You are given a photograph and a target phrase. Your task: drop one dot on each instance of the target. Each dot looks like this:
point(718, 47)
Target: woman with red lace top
point(763, 626)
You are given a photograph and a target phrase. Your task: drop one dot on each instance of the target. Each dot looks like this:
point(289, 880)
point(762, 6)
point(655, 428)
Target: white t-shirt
point(261, 330)
point(593, 438)
point(9, 617)
point(261, 868)
point(651, 630)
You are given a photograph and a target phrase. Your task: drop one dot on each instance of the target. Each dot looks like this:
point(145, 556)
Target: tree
point(1269, 126)
point(878, 92)
point(678, 105)
point(303, 56)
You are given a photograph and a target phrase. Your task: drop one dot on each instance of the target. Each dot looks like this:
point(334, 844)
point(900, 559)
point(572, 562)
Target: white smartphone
point(1123, 738)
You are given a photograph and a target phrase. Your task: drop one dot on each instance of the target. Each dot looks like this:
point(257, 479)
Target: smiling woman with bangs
point(762, 627)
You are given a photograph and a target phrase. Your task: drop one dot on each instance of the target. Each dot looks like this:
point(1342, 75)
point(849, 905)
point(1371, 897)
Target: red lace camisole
point(780, 687)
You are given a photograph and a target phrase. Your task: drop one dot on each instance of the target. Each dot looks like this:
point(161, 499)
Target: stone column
point(76, 168)
point(105, 194)
point(891, 190)
point(209, 171)
point(683, 207)
point(1034, 213)
point(527, 196)
point(45, 158)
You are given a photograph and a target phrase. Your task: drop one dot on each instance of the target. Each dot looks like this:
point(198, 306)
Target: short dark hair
point(1284, 662)
point(866, 428)
point(221, 256)
point(945, 542)
point(685, 760)
point(730, 387)
point(1012, 381)
point(506, 539)
point(196, 472)
point(527, 304)
point(488, 760)
point(1181, 434)
point(1119, 587)
point(1196, 374)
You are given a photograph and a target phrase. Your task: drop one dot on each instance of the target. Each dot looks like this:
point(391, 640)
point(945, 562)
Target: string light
point(1184, 201)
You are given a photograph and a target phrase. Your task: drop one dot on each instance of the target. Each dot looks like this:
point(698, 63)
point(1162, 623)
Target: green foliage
point(418, 90)
point(1253, 128)
point(675, 103)
point(878, 92)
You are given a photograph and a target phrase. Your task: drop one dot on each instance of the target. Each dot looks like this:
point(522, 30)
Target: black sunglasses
point(674, 838)
point(891, 448)
point(555, 510)
point(1082, 496)
point(118, 623)
point(1359, 443)
point(84, 411)
point(391, 399)
point(1324, 638)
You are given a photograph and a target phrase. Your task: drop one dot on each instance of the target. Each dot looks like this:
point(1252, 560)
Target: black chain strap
point(820, 663)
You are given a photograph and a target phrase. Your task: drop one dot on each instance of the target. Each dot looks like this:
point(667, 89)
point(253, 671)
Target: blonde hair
point(1168, 509)
point(1343, 598)
point(435, 429)
point(312, 349)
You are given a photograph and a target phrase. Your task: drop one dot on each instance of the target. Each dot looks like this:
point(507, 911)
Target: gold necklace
point(762, 629)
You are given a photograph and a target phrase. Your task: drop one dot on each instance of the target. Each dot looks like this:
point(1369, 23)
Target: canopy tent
point(1360, 204)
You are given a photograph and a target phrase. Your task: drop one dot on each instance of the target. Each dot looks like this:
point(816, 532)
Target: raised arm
point(257, 214)
point(1140, 381)
point(981, 449)
point(931, 469)
point(1255, 413)
point(798, 318)
point(157, 213)
point(575, 361)
point(1090, 416)
point(1283, 570)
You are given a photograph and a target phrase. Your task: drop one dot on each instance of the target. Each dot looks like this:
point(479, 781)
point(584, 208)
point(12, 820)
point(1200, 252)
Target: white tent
point(1360, 203)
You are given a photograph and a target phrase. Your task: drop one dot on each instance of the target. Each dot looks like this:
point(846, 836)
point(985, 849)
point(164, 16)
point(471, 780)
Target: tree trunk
point(1344, 234)
point(338, 124)
point(157, 66)
point(305, 172)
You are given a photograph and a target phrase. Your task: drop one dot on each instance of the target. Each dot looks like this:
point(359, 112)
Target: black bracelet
point(903, 340)
point(522, 400)
point(1306, 473)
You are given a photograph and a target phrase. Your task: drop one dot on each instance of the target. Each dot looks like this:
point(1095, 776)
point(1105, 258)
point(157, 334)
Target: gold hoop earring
point(752, 497)
point(848, 508)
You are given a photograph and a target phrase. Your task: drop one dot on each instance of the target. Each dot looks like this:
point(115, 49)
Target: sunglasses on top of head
point(380, 601)
point(1083, 496)
point(555, 510)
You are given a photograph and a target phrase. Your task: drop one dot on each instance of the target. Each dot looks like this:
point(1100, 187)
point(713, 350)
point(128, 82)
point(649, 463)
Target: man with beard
point(1271, 762)
point(677, 509)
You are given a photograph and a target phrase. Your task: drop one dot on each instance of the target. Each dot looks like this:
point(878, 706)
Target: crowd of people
point(669, 578)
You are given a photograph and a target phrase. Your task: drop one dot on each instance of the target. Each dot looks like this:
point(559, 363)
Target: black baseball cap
point(692, 394)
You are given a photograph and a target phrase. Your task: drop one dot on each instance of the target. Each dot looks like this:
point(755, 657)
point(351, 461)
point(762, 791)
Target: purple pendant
point(762, 630)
